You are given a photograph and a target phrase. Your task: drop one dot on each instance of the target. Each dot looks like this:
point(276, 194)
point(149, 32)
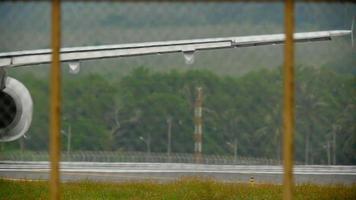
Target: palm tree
point(308, 108)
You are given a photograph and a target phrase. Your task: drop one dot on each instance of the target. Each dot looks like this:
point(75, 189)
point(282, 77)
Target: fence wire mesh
point(144, 105)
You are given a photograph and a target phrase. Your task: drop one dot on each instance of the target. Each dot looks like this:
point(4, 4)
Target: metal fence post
point(55, 106)
point(288, 102)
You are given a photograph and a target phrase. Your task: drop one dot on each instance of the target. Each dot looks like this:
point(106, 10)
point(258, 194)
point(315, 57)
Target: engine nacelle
point(15, 110)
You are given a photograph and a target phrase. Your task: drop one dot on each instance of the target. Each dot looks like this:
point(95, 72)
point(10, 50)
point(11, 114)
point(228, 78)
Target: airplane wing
point(76, 54)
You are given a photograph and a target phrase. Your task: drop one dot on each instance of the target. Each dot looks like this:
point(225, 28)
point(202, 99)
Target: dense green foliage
point(114, 115)
point(188, 188)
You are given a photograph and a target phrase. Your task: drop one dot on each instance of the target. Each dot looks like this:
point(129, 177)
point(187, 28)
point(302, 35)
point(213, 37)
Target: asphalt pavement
point(118, 172)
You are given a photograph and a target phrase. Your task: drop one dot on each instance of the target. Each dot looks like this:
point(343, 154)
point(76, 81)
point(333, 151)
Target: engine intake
point(15, 110)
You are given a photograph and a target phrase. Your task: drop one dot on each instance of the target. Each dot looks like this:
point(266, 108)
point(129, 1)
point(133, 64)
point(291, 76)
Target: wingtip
point(340, 33)
point(352, 31)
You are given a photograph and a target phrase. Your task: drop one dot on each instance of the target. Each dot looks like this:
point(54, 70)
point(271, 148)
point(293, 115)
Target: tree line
point(132, 114)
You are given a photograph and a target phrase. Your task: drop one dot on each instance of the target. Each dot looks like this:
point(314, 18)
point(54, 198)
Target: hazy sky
point(26, 26)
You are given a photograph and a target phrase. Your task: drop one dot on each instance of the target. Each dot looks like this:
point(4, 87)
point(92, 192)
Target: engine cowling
point(15, 110)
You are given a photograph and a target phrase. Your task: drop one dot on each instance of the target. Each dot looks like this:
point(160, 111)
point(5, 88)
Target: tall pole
point(149, 144)
point(235, 150)
point(198, 130)
point(328, 151)
point(169, 136)
point(334, 129)
point(288, 102)
point(55, 106)
point(69, 138)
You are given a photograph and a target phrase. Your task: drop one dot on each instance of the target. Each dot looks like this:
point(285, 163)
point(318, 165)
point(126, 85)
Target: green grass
point(186, 188)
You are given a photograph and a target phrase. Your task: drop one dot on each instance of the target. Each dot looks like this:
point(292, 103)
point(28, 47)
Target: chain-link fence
point(112, 156)
point(147, 103)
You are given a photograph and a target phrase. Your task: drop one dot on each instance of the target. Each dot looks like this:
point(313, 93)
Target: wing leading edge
point(33, 57)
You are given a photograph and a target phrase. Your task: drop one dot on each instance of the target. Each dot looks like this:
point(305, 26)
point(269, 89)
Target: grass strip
point(192, 188)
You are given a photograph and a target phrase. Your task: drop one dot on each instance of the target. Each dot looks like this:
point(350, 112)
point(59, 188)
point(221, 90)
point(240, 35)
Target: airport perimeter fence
point(148, 103)
point(104, 156)
point(201, 103)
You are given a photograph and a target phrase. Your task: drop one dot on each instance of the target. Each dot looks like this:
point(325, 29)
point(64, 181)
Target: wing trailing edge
point(76, 54)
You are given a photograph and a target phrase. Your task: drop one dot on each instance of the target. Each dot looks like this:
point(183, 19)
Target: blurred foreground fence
point(110, 156)
point(130, 104)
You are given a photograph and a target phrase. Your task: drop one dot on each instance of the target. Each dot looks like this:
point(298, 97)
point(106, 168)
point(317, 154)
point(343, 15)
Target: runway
point(116, 172)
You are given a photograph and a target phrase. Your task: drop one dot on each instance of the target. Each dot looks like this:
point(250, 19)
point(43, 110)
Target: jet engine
point(15, 110)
